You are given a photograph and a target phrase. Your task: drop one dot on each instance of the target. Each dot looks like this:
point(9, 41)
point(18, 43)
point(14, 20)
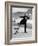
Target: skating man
point(23, 22)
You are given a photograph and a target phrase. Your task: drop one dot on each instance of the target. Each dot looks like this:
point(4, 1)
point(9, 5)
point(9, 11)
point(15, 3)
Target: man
point(23, 22)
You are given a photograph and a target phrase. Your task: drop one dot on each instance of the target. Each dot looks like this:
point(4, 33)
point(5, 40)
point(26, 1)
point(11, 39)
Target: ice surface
point(22, 34)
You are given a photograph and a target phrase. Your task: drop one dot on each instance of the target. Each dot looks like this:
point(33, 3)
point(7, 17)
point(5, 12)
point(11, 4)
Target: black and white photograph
point(21, 22)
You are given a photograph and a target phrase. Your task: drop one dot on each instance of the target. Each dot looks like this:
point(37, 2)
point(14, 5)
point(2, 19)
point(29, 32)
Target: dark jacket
point(23, 21)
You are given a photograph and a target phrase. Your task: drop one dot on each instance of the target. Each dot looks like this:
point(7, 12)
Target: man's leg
point(25, 28)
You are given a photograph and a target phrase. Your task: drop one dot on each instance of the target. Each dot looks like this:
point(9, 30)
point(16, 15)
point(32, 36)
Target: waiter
point(23, 21)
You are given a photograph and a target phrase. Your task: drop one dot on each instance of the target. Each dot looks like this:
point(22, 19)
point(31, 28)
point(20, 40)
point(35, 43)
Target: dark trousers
point(25, 28)
point(23, 23)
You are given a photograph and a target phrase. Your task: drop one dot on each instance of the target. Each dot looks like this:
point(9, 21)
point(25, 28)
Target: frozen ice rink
point(22, 34)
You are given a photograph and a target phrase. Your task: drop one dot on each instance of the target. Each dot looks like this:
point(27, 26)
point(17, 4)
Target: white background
point(2, 22)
